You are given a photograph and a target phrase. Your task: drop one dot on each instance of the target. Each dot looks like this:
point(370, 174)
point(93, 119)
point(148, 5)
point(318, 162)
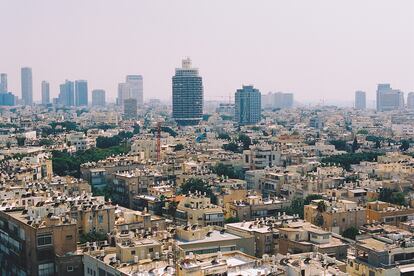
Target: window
point(69, 237)
point(44, 240)
point(46, 269)
point(151, 249)
point(132, 252)
point(100, 219)
point(69, 269)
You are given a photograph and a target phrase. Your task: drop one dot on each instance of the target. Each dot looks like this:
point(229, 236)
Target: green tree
point(355, 145)
point(198, 185)
point(245, 140)
point(350, 233)
point(392, 196)
point(178, 147)
point(224, 136)
point(405, 145)
point(346, 160)
point(231, 220)
point(45, 142)
point(232, 147)
point(321, 207)
point(92, 237)
point(339, 144)
point(228, 170)
point(21, 141)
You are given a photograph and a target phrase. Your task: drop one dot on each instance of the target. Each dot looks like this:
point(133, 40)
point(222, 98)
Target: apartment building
point(337, 216)
point(197, 209)
point(38, 245)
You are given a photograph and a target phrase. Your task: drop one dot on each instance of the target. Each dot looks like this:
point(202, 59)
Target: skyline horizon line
point(37, 96)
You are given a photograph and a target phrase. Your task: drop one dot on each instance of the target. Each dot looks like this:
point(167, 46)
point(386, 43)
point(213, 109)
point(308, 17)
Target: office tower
point(187, 92)
point(27, 86)
point(247, 105)
point(3, 82)
point(410, 100)
point(388, 98)
point(66, 95)
point(45, 92)
point(98, 97)
point(7, 99)
point(81, 93)
point(123, 93)
point(130, 108)
point(136, 88)
point(360, 100)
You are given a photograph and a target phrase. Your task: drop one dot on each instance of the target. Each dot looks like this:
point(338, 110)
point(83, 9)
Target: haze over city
point(314, 49)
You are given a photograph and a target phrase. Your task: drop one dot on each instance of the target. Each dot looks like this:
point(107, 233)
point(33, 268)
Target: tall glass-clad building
point(81, 93)
point(248, 108)
point(66, 95)
point(187, 98)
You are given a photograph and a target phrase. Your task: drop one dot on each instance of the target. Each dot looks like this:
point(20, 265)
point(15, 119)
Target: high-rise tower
point(66, 96)
point(98, 97)
point(27, 85)
point(136, 88)
point(248, 108)
point(388, 98)
point(360, 100)
point(81, 93)
point(187, 95)
point(45, 92)
point(3, 82)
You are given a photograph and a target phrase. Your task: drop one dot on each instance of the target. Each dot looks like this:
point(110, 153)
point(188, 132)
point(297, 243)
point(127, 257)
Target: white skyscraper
point(136, 87)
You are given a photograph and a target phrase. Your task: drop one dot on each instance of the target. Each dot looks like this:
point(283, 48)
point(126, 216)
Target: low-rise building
point(336, 215)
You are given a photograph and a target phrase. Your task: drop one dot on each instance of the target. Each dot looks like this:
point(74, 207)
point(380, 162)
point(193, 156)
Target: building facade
point(7, 99)
point(136, 88)
point(27, 85)
point(410, 100)
point(45, 92)
point(360, 100)
point(66, 95)
point(187, 95)
point(277, 100)
point(389, 99)
point(98, 97)
point(130, 108)
point(3, 82)
point(247, 105)
point(81, 93)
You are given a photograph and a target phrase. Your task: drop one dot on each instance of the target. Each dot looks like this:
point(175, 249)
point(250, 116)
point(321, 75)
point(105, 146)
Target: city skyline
point(331, 60)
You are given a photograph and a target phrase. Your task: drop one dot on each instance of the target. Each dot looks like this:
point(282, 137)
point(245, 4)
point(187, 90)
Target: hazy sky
point(317, 49)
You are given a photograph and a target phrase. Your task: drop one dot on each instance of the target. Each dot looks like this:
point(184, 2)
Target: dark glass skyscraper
point(27, 86)
point(248, 109)
point(187, 90)
point(81, 93)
